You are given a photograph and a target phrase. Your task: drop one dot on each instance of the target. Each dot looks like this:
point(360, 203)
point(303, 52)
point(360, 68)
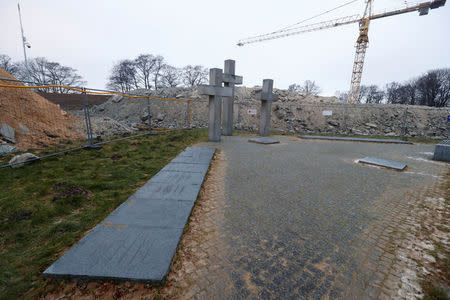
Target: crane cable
point(287, 28)
point(321, 14)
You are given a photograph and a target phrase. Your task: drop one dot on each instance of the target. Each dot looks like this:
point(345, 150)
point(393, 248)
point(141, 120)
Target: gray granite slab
point(442, 151)
point(159, 213)
point(354, 139)
point(383, 163)
point(186, 167)
point(138, 240)
point(174, 176)
point(178, 191)
point(124, 252)
point(264, 140)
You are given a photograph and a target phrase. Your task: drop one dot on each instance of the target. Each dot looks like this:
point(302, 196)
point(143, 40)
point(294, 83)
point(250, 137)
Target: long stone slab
point(442, 151)
point(138, 240)
point(383, 163)
point(354, 139)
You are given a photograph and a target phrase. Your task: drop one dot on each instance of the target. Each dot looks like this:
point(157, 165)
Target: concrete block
point(442, 151)
point(353, 139)
point(264, 140)
point(383, 163)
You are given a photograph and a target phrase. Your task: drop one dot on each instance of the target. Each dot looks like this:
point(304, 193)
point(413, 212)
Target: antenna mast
point(24, 40)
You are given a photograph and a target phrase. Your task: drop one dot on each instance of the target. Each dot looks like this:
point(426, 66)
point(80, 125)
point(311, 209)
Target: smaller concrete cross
point(230, 80)
point(215, 91)
point(267, 97)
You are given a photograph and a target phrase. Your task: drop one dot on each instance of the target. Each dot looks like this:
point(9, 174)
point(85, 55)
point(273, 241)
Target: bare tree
point(309, 87)
point(194, 75)
point(123, 76)
point(8, 65)
point(394, 94)
point(44, 72)
point(342, 96)
point(294, 87)
point(170, 76)
point(157, 69)
point(374, 95)
point(145, 64)
point(433, 88)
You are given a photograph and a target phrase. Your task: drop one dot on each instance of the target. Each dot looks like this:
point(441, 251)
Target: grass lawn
point(47, 206)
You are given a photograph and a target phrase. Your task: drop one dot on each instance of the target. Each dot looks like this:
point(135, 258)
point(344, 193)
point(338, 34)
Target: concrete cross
point(230, 80)
point(215, 91)
point(267, 97)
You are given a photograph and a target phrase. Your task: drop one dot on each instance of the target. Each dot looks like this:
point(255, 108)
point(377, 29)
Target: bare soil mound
point(36, 121)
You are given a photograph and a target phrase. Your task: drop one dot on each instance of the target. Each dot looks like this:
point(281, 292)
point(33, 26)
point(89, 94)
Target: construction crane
point(363, 38)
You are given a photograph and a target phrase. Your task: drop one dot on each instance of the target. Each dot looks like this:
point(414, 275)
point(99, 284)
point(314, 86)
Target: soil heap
point(36, 121)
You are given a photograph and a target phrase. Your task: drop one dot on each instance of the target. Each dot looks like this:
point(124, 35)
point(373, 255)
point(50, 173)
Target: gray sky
point(91, 36)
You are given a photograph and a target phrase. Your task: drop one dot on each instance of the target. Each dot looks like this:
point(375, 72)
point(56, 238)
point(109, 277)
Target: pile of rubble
point(28, 120)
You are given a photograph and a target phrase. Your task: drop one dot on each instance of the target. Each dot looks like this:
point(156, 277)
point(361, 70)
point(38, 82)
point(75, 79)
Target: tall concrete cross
point(229, 80)
point(267, 97)
point(215, 91)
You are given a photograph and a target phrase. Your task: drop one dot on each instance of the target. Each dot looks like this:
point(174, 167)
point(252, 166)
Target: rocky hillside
point(294, 112)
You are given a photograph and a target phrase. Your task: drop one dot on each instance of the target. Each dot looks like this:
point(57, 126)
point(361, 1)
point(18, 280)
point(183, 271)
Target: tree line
point(152, 72)
point(41, 71)
point(430, 89)
point(147, 71)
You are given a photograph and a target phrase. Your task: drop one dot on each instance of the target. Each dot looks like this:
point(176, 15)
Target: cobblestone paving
point(301, 219)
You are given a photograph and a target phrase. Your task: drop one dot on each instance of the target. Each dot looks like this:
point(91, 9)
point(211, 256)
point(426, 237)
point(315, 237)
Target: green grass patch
point(47, 206)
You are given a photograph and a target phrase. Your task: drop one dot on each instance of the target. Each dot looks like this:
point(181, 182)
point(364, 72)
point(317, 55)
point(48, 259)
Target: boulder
point(20, 160)
point(333, 123)
point(371, 125)
point(23, 128)
point(160, 117)
point(6, 149)
point(8, 133)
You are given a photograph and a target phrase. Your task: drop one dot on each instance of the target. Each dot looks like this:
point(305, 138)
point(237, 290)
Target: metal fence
point(29, 122)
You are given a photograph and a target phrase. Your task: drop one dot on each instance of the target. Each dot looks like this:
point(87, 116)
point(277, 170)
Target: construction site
point(222, 190)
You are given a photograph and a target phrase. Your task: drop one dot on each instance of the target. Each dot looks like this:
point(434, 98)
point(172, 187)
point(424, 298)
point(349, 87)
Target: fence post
point(149, 115)
point(404, 122)
point(87, 118)
point(188, 114)
point(345, 118)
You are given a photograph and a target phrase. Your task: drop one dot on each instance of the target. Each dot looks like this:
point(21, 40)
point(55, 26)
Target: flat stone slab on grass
point(264, 140)
point(442, 151)
point(138, 240)
point(353, 139)
point(383, 163)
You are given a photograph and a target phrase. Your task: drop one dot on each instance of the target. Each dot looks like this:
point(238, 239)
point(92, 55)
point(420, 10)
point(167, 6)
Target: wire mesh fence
point(29, 122)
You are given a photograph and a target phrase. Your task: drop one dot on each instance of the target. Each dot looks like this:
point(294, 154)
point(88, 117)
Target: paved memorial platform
point(138, 240)
point(264, 140)
point(383, 163)
point(354, 139)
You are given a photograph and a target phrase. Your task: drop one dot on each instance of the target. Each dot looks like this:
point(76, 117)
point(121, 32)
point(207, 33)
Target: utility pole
point(25, 44)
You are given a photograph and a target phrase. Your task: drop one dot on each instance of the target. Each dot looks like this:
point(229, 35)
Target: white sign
point(251, 111)
point(327, 113)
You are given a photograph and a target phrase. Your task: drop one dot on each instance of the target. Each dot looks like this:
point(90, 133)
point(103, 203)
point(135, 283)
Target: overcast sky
point(91, 35)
